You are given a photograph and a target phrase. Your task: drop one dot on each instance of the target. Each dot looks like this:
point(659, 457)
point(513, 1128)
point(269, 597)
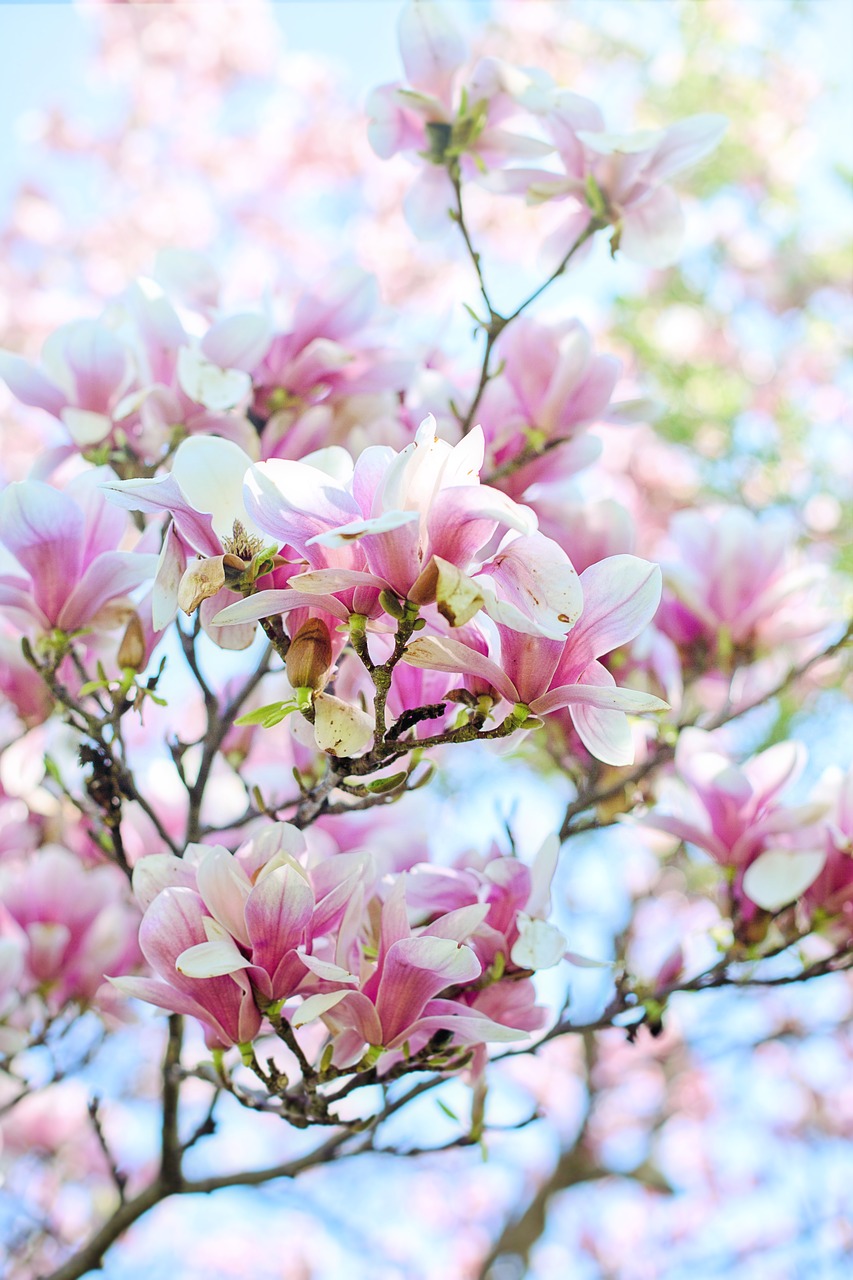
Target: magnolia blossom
point(551, 385)
point(734, 584)
point(618, 179)
point(436, 119)
point(65, 542)
point(734, 813)
point(417, 523)
point(70, 926)
point(620, 596)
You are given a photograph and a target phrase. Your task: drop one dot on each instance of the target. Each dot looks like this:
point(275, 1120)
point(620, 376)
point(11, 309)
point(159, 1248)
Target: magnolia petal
point(322, 581)
point(541, 874)
point(778, 877)
point(459, 924)
point(683, 144)
point(415, 970)
point(206, 384)
point(328, 971)
point(269, 604)
point(653, 230)
point(211, 959)
point(85, 427)
point(315, 1006)
point(356, 529)
point(160, 871)
point(536, 588)
point(620, 597)
point(167, 579)
point(166, 495)
point(607, 698)
point(339, 728)
point(539, 945)
point(278, 912)
point(112, 574)
point(210, 471)
point(440, 653)
point(430, 46)
point(237, 342)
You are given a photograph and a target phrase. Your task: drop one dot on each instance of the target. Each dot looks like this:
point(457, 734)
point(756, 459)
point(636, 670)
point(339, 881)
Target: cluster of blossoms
point(428, 577)
point(381, 962)
point(453, 125)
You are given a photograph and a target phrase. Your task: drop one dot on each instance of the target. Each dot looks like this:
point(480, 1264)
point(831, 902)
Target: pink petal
point(238, 342)
point(166, 495)
point(537, 589)
point(45, 531)
point(620, 597)
point(443, 654)
point(462, 520)
point(683, 144)
point(112, 574)
point(268, 604)
point(278, 913)
point(431, 47)
point(653, 230)
point(293, 501)
point(29, 385)
point(415, 970)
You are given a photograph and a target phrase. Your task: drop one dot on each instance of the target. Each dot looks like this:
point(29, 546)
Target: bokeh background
point(723, 1147)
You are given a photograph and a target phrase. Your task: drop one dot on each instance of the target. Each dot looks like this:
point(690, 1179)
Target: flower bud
point(309, 657)
point(131, 651)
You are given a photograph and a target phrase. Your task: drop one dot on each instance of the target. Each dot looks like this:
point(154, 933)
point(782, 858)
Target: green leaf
point(448, 1111)
point(386, 784)
point(273, 713)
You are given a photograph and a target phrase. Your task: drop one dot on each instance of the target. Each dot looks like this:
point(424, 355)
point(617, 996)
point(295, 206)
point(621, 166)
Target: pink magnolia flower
point(431, 120)
point(550, 387)
point(75, 923)
point(543, 674)
point(84, 376)
point(734, 813)
point(418, 523)
point(227, 933)
point(65, 543)
point(733, 584)
point(400, 1003)
point(621, 178)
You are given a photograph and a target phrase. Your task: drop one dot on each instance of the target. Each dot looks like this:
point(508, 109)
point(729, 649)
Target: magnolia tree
point(281, 568)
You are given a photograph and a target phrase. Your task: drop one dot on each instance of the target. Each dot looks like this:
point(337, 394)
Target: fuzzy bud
point(131, 651)
point(309, 657)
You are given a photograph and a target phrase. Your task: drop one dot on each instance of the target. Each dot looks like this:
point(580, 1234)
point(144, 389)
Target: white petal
point(779, 876)
point(207, 384)
point(539, 945)
point(340, 728)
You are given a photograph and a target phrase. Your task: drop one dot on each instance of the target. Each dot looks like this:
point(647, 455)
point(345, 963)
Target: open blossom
point(735, 814)
point(618, 179)
point(65, 542)
point(551, 385)
point(417, 523)
point(544, 674)
point(733, 584)
point(440, 121)
point(71, 925)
